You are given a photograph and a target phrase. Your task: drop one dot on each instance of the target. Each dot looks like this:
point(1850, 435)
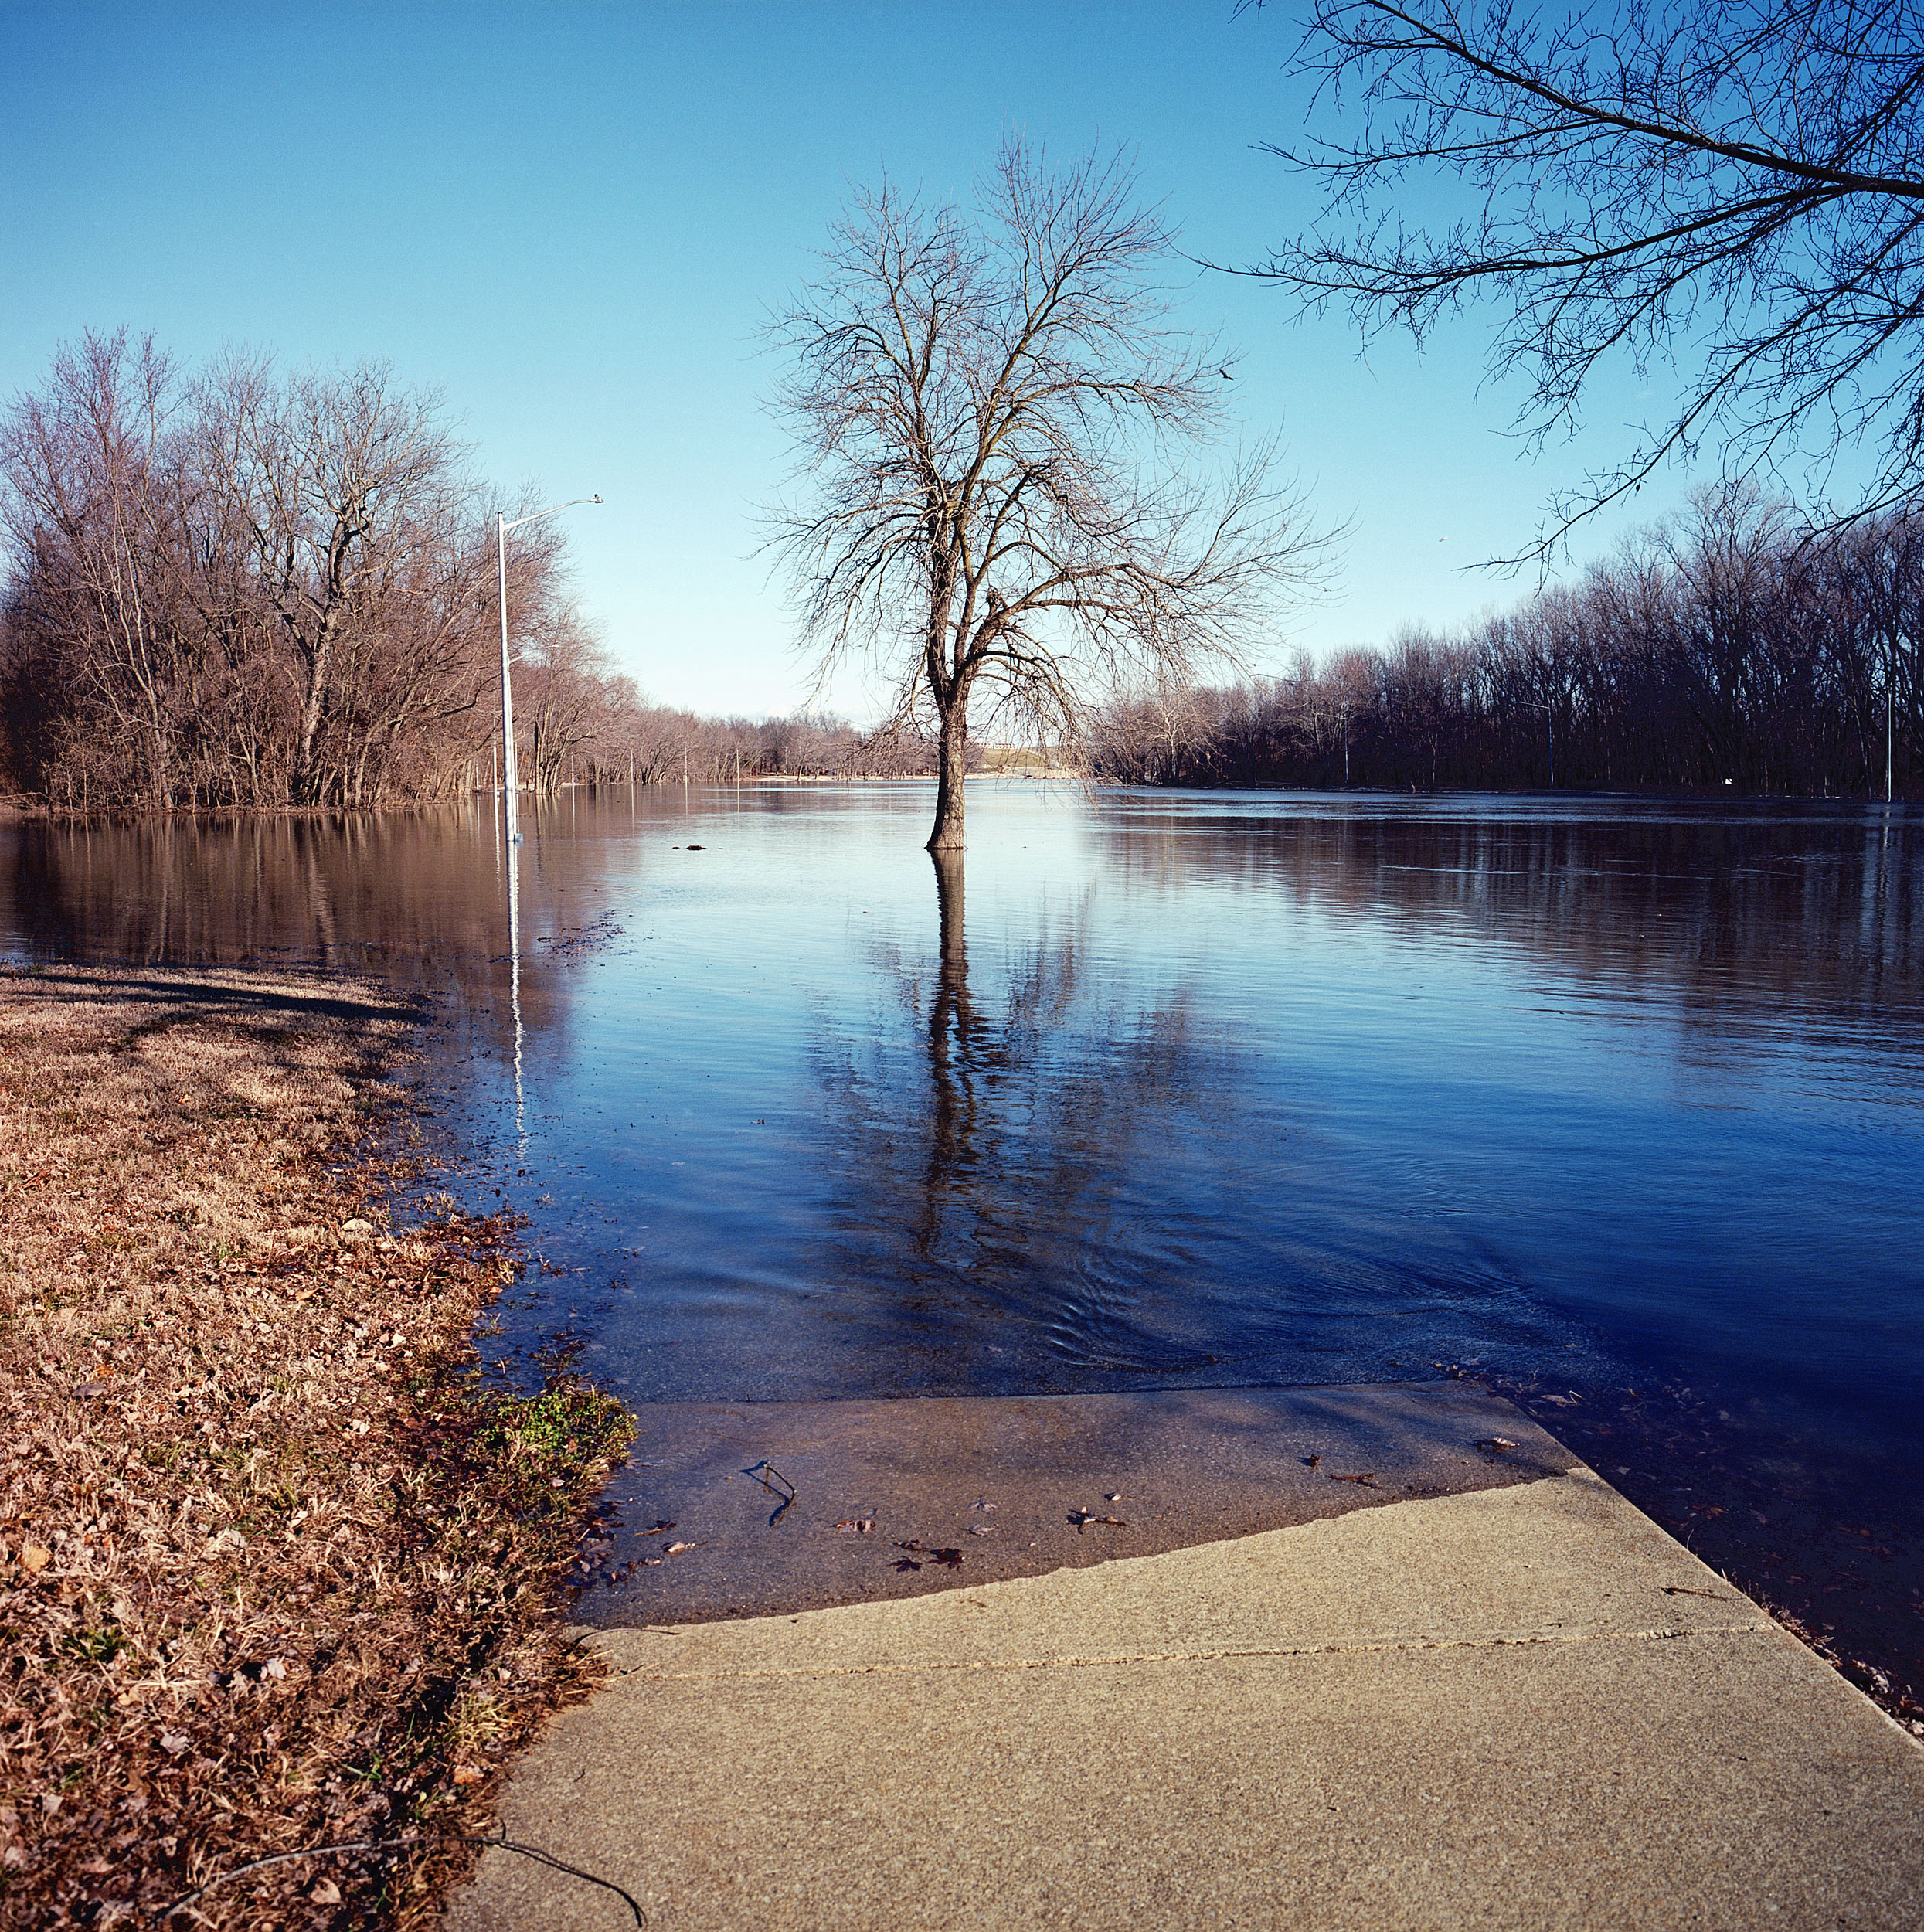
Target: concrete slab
point(1003, 1481)
point(1523, 1706)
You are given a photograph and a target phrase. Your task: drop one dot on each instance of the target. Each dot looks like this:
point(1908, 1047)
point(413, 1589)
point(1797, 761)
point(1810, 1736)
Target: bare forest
point(245, 587)
point(1736, 648)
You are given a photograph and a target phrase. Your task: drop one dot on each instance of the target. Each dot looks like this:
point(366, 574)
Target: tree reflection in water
point(987, 1167)
point(1047, 1173)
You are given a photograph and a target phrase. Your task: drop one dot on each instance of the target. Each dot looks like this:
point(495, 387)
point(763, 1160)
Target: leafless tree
point(91, 468)
point(253, 589)
point(335, 477)
point(1730, 192)
point(996, 426)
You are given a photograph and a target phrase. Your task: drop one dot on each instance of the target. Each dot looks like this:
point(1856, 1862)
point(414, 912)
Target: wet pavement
point(750, 1510)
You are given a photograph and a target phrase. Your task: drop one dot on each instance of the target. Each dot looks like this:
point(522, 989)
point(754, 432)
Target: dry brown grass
point(275, 1565)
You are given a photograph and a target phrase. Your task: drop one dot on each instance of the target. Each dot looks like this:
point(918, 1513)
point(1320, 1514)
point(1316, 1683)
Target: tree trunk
point(951, 760)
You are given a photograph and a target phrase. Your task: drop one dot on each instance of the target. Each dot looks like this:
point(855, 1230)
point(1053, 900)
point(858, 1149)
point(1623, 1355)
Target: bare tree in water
point(1730, 192)
point(997, 426)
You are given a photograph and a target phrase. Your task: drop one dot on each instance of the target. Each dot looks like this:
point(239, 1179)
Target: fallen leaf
point(34, 1558)
point(1367, 1476)
point(907, 1563)
point(949, 1559)
point(983, 1529)
point(1314, 1462)
point(174, 1743)
point(660, 1527)
point(275, 1667)
point(914, 1542)
point(325, 1893)
point(675, 1550)
point(857, 1525)
point(468, 1774)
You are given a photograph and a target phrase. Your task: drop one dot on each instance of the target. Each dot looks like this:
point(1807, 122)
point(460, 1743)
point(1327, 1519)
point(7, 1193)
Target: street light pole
point(502, 526)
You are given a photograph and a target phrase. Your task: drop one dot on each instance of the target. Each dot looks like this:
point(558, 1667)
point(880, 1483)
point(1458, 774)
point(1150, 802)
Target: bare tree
point(993, 418)
point(1730, 192)
point(334, 476)
point(251, 589)
point(91, 473)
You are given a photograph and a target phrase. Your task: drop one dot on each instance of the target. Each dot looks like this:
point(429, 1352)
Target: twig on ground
point(401, 1844)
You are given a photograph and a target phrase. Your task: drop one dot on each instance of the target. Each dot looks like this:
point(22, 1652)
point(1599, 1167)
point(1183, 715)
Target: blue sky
point(573, 220)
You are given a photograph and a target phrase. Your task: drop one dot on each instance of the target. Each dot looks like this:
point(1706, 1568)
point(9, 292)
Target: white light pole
point(502, 526)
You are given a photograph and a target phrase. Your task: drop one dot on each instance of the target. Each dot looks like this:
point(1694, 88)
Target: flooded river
point(1616, 1105)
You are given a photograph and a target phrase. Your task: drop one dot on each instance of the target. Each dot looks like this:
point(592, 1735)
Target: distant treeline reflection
point(1736, 649)
point(1824, 907)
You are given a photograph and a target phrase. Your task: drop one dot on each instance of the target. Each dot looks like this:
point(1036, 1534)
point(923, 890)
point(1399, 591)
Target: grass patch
point(278, 1566)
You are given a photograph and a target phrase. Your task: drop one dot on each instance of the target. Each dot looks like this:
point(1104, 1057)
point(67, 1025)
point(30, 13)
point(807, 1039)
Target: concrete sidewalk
point(1518, 1707)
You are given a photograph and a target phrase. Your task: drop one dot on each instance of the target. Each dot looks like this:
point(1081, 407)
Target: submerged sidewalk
point(1521, 1705)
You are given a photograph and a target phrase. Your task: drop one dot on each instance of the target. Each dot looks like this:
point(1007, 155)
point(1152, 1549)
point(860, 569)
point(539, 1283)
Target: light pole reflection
point(514, 985)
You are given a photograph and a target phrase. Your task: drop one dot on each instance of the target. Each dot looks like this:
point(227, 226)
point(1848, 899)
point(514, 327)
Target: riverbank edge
point(279, 1567)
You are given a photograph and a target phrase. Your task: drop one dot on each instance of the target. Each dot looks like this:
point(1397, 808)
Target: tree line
point(1734, 647)
point(244, 587)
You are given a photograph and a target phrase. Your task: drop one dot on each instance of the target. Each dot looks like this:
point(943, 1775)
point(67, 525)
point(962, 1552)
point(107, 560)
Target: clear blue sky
point(572, 220)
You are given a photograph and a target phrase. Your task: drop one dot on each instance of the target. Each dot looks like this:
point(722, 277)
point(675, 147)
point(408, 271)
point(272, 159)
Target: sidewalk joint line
point(649, 1674)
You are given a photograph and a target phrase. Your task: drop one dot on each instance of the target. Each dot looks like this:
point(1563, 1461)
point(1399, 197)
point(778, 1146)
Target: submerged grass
point(277, 1564)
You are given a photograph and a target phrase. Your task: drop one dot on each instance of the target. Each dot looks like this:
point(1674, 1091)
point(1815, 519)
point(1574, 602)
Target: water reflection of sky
point(1161, 1089)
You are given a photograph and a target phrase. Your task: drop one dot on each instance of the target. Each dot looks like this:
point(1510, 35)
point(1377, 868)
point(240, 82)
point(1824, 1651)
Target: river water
point(1617, 1106)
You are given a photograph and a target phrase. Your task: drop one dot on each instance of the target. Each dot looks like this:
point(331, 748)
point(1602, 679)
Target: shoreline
point(24, 810)
point(279, 1566)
